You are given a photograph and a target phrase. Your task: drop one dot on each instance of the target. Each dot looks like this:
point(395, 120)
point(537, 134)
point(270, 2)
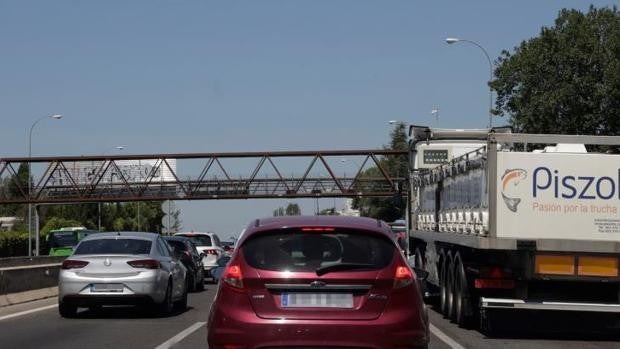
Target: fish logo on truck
point(510, 180)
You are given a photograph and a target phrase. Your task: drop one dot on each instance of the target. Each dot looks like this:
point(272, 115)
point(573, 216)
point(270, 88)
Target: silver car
point(124, 268)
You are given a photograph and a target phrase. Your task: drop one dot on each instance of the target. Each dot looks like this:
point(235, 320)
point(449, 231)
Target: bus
point(63, 240)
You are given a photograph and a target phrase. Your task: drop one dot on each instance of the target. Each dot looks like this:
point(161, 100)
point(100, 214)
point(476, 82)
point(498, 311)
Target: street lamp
point(435, 113)
point(55, 117)
point(119, 148)
point(455, 40)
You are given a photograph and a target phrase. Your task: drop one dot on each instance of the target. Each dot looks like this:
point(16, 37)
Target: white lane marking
point(445, 338)
point(26, 312)
point(179, 337)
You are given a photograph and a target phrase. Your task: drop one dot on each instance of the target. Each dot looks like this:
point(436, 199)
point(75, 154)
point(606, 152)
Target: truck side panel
point(558, 196)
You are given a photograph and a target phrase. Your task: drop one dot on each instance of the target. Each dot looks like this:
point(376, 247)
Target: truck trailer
point(506, 222)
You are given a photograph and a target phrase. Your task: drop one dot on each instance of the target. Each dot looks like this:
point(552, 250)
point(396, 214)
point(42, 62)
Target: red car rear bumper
point(242, 328)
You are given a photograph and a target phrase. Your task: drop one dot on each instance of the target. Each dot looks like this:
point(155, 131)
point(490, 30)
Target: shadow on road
point(126, 312)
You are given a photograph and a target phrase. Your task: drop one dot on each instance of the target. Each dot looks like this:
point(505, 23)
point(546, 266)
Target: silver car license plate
point(106, 288)
point(317, 300)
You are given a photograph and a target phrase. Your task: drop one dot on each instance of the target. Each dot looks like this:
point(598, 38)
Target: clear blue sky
point(203, 76)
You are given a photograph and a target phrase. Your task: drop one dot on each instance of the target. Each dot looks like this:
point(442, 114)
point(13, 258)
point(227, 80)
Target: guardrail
point(18, 274)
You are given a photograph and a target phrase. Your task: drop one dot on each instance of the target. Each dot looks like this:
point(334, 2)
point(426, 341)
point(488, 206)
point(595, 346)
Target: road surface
point(38, 325)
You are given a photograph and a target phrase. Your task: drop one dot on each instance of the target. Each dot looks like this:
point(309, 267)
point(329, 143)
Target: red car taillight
point(233, 276)
point(403, 277)
point(72, 264)
point(213, 252)
point(145, 263)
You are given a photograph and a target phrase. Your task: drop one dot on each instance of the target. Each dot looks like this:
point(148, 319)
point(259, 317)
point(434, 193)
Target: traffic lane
point(124, 327)
point(113, 327)
point(539, 330)
point(120, 327)
point(198, 339)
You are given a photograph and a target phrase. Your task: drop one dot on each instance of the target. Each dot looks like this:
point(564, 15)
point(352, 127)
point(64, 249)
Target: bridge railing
point(201, 176)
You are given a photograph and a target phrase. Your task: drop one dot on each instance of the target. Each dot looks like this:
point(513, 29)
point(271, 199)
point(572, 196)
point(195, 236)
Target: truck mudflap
point(506, 303)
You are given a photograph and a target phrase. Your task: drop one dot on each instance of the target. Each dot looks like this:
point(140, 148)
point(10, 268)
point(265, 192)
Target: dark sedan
point(185, 250)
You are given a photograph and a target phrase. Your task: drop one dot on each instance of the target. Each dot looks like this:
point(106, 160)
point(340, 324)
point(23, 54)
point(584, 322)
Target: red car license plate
point(317, 300)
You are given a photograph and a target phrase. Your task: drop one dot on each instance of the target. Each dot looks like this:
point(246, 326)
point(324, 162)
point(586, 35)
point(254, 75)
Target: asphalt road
point(38, 325)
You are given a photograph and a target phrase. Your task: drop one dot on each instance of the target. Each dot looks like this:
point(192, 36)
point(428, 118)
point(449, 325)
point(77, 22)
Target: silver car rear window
point(295, 250)
point(114, 246)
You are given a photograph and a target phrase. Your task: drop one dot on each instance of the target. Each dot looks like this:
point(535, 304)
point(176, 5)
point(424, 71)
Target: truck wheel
point(450, 289)
point(462, 301)
point(443, 292)
point(418, 259)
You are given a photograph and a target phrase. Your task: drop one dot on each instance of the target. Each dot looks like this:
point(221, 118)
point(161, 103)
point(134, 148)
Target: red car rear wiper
point(342, 266)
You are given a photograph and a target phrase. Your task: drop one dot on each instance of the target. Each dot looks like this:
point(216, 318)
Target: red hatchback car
point(318, 282)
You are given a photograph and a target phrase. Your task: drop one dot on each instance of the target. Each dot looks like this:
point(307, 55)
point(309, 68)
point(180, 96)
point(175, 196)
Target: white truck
point(499, 228)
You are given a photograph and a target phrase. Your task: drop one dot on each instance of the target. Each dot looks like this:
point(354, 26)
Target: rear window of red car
point(296, 250)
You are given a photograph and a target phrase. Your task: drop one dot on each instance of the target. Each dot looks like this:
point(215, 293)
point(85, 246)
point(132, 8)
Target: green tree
point(565, 80)
point(114, 216)
point(13, 187)
point(279, 212)
point(387, 209)
point(292, 209)
point(328, 211)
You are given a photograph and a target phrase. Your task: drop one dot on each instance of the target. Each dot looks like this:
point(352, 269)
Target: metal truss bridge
point(201, 176)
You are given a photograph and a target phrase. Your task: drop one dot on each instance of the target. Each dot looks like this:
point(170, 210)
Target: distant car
point(209, 244)
point(221, 264)
point(228, 247)
point(317, 282)
point(185, 250)
point(124, 268)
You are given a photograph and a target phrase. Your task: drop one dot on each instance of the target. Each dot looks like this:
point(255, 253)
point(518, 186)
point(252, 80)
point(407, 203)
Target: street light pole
point(56, 117)
point(486, 54)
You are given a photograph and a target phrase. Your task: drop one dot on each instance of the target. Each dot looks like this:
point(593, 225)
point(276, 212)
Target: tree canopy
point(292, 209)
point(387, 209)
point(565, 80)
